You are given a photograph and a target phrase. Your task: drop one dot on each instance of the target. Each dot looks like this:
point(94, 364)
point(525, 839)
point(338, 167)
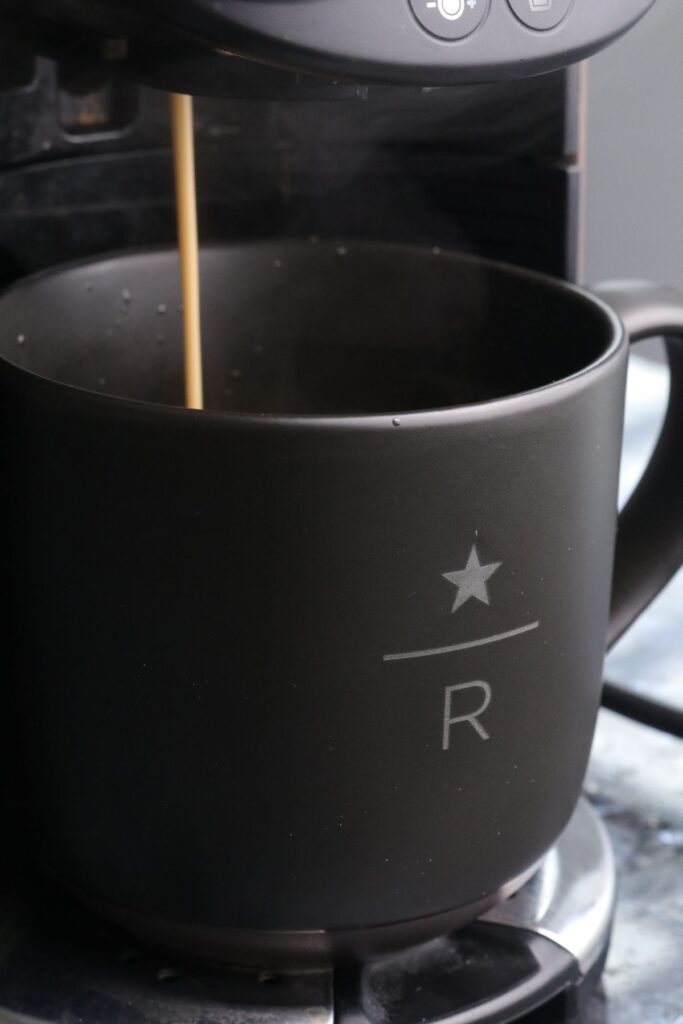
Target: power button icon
point(450, 19)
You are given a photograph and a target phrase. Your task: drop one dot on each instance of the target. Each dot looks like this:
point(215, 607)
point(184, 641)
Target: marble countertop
point(636, 779)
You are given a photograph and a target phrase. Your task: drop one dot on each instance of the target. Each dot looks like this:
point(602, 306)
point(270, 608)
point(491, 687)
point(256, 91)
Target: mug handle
point(649, 548)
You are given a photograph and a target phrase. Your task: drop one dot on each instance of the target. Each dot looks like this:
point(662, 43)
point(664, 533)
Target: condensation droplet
point(437, 250)
point(396, 421)
point(161, 308)
point(21, 338)
point(169, 974)
point(126, 296)
point(342, 250)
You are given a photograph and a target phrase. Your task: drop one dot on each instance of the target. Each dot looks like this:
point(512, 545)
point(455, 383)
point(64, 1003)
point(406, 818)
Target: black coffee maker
point(331, 119)
point(314, 118)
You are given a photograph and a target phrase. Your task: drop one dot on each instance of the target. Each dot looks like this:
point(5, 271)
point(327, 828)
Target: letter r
point(472, 717)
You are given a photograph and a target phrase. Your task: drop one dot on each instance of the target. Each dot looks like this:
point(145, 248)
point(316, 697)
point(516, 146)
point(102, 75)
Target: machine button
point(541, 14)
point(450, 19)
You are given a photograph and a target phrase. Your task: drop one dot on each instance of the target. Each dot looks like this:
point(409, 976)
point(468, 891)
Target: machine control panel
point(457, 19)
point(416, 42)
point(419, 42)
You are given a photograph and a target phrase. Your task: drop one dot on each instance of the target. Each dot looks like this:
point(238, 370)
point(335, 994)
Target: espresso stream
point(182, 129)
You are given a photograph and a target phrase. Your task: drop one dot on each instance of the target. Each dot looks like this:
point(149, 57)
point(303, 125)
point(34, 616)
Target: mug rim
point(491, 408)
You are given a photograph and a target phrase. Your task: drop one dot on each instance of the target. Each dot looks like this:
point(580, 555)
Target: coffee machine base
point(543, 947)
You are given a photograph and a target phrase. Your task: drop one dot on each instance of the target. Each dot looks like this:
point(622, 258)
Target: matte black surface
point(354, 39)
point(232, 697)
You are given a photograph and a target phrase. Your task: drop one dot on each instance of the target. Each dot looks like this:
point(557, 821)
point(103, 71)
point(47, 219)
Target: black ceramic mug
point(318, 670)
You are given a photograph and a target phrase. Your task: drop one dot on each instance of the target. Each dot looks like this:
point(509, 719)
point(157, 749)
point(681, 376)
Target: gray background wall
point(634, 228)
point(634, 201)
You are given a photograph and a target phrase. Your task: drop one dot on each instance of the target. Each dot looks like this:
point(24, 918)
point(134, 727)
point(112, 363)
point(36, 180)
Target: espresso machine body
point(333, 118)
point(449, 125)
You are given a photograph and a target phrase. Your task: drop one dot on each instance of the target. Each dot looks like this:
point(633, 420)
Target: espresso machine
point(453, 125)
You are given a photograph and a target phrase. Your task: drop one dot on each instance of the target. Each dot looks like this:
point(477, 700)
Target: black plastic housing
point(364, 41)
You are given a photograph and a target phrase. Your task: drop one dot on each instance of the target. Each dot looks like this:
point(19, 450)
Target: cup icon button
point(450, 19)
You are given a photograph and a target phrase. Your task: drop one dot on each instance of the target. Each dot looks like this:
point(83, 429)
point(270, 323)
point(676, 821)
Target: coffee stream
point(182, 129)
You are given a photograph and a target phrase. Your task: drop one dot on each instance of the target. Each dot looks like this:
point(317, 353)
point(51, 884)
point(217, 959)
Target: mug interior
point(300, 328)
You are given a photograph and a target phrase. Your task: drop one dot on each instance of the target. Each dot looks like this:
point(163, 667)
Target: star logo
point(471, 581)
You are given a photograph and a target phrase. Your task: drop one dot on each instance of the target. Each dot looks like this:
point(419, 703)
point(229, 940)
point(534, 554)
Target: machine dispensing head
point(188, 43)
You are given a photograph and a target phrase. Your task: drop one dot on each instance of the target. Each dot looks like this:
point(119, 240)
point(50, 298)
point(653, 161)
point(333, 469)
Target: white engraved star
point(471, 581)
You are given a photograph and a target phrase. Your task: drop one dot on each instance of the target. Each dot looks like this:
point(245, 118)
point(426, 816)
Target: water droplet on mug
point(126, 296)
point(342, 250)
point(161, 309)
point(396, 421)
point(436, 250)
point(268, 978)
point(21, 338)
point(169, 974)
